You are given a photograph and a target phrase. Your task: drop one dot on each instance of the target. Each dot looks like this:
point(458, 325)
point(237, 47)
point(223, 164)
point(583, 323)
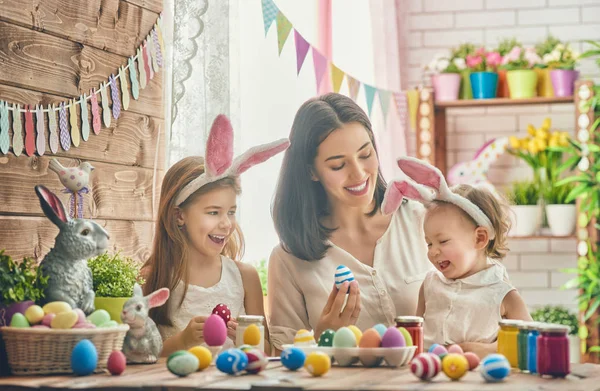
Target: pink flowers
point(482, 60)
point(473, 60)
point(493, 59)
point(519, 58)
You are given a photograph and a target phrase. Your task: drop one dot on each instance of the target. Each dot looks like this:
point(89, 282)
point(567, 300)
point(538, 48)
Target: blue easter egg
point(381, 329)
point(494, 368)
point(293, 358)
point(84, 358)
point(182, 363)
point(232, 361)
point(343, 274)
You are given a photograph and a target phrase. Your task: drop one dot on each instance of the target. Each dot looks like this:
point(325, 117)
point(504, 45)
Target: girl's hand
point(332, 316)
point(231, 330)
point(193, 334)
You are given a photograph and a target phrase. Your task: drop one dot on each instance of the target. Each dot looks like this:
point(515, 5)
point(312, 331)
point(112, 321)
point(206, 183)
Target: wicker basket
point(45, 351)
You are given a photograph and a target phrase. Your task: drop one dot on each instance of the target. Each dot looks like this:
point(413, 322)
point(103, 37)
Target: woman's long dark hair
point(300, 202)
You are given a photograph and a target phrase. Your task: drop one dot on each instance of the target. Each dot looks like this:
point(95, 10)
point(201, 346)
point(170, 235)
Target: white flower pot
point(574, 349)
point(561, 219)
point(526, 220)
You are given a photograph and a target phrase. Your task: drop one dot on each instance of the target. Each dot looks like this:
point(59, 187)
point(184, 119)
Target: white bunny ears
point(219, 162)
point(425, 183)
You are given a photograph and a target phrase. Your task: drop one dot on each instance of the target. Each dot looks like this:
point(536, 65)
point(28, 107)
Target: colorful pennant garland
point(33, 137)
point(271, 13)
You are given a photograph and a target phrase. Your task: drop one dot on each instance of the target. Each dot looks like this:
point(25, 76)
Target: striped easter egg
point(343, 274)
point(439, 350)
point(304, 338)
point(494, 368)
point(426, 366)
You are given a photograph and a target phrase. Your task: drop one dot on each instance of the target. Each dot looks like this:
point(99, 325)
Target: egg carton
point(368, 357)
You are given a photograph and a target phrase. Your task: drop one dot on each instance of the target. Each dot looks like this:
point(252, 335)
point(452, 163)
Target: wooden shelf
point(502, 102)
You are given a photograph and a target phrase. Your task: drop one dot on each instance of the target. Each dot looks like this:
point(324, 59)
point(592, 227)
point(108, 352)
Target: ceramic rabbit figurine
point(143, 342)
point(70, 279)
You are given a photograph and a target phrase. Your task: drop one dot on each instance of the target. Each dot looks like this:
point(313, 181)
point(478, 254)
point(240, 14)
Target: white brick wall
point(435, 25)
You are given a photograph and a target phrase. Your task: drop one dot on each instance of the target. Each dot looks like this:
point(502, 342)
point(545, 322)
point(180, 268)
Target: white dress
point(200, 301)
point(464, 310)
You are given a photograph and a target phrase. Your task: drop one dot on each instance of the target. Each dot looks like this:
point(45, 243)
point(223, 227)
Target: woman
point(327, 213)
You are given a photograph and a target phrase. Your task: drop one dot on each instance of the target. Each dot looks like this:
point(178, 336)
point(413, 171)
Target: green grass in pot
point(114, 275)
point(524, 193)
point(558, 195)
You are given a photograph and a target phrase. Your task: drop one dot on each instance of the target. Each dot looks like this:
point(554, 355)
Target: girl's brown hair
point(167, 264)
point(496, 209)
point(300, 202)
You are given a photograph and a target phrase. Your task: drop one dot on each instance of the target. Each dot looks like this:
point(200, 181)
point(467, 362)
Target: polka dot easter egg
point(257, 361)
point(232, 361)
point(494, 368)
point(455, 365)
point(84, 358)
point(182, 363)
point(293, 358)
point(343, 274)
point(426, 366)
point(304, 338)
point(317, 363)
point(215, 331)
point(439, 350)
point(223, 311)
point(326, 338)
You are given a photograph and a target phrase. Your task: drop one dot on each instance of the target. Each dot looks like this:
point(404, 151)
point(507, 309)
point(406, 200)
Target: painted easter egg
point(317, 363)
point(56, 307)
point(117, 362)
point(98, 317)
point(252, 335)
point(357, 333)
point(246, 347)
point(64, 320)
point(455, 349)
point(473, 360)
point(426, 366)
point(84, 325)
point(393, 338)
point(343, 274)
point(34, 314)
point(455, 365)
point(47, 319)
point(223, 311)
point(257, 361)
point(84, 358)
point(215, 331)
point(19, 320)
point(80, 316)
point(182, 363)
point(326, 338)
point(439, 350)
point(203, 355)
point(344, 338)
point(293, 358)
point(407, 337)
point(381, 329)
point(304, 338)
point(494, 368)
point(370, 339)
point(232, 361)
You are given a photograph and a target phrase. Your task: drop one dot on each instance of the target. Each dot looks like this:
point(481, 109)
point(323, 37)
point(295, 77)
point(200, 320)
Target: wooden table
point(157, 378)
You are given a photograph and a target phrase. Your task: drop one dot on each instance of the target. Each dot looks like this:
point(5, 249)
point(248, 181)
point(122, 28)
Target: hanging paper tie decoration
point(75, 180)
point(31, 134)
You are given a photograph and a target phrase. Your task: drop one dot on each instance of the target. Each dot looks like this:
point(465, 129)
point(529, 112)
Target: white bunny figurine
point(143, 342)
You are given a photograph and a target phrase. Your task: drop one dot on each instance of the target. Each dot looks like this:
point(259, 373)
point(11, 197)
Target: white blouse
point(298, 290)
point(200, 301)
point(464, 310)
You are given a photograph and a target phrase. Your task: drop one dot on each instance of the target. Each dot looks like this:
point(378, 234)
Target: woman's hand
point(332, 316)
point(193, 334)
point(231, 330)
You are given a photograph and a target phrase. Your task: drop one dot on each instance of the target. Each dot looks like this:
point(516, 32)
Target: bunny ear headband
point(416, 181)
point(219, 162)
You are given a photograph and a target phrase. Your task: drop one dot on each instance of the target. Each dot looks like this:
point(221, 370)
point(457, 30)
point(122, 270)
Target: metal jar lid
point(250, 319)
point(554, 328)
point(510, 322)
point(408, 319)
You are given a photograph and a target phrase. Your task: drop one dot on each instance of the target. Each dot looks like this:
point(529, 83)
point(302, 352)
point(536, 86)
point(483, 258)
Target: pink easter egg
point(426, 366)
point(215, 331)
point(47, 319)
point(84, 325)
point(438, 350)
point(472, 359)
point(80, 316)
point(455, 349)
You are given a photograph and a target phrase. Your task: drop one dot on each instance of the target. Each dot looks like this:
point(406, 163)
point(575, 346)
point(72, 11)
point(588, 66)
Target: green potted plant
point(484, 79)
point(262, 269)
point(21, 285)
point(560, 315)
point(560, 211)
point(504, 47)
point(544, 84)
point(524, 197)
point(445, 76)
point(561, 61)
point(114, 277)
point(522, 79)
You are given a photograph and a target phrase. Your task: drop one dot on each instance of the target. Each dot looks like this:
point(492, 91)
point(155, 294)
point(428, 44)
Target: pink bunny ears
point(219, 162)
point(425, 183)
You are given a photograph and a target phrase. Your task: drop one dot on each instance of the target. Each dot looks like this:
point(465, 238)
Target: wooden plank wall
point(54, 50)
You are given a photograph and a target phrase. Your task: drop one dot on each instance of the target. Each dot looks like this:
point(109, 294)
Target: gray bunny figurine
point(70, 279)
point(143, 342)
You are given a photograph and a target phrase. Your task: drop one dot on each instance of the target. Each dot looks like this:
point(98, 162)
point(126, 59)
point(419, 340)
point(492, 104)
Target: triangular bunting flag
point(401, 107)
point(4, 137)
point(270, 11)
point(384, 101)
point(301, 50)
point(320, 64)
point(412, 97)
point(283, 30)
point(353, 86)
point(370, 94)
point(337, 76)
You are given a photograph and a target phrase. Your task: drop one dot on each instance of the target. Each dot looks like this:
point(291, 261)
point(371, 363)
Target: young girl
point(468, 292)
point(198, 244)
